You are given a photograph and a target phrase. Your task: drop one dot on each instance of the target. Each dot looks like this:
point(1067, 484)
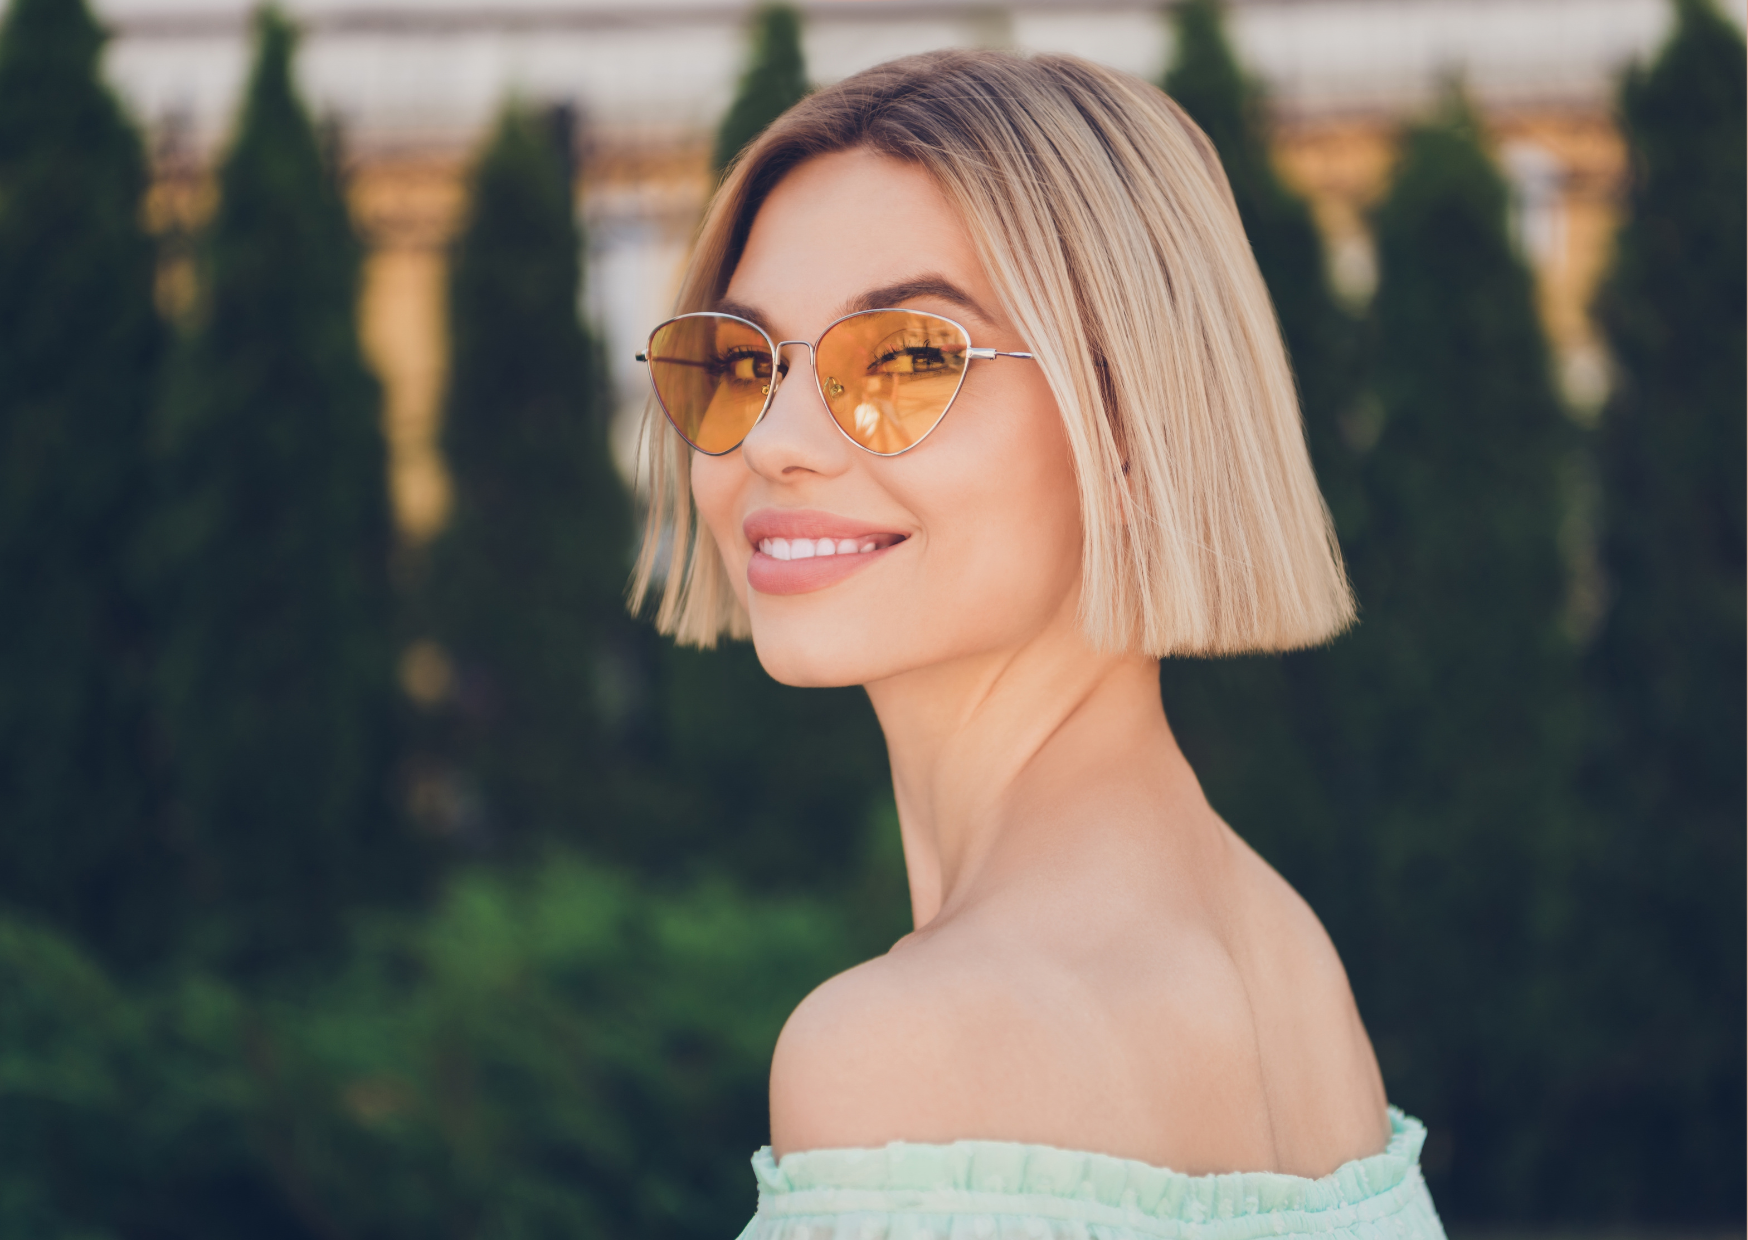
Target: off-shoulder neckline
point(1008, 1169)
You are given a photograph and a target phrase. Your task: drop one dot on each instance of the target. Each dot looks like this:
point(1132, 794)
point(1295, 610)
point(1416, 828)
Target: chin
point(822, 655)
point(853, 633)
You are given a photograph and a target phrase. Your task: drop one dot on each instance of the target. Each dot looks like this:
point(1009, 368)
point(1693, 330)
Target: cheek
point(1005, 518)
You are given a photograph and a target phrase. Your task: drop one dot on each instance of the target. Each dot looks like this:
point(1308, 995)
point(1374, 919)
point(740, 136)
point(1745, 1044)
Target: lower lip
point(769, 575)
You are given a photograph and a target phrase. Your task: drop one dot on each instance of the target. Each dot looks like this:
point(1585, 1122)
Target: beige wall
point(407, 209)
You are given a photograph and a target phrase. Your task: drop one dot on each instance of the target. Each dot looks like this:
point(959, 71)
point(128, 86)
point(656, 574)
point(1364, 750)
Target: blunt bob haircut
point(1106, 225)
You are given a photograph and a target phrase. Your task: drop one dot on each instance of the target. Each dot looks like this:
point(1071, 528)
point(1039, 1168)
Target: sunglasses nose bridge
point(784, 344)
point(781, 366)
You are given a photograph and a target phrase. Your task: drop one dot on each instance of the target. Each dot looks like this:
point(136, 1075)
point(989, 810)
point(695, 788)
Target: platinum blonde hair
point(1106, 225)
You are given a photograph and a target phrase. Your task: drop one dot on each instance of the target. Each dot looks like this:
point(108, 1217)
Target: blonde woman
point(977, 400)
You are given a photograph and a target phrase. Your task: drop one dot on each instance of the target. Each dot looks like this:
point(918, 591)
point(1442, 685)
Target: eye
point(913, 354)
point(909, 361)
point(744, 366)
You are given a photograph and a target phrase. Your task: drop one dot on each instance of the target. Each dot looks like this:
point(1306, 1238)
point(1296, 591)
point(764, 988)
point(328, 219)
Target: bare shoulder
point(1147, 1054)
point(1206, 1045)
point(878, 1053)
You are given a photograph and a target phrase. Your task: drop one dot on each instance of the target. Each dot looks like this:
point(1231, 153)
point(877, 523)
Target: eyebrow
point(929, 285)
point(938, 287)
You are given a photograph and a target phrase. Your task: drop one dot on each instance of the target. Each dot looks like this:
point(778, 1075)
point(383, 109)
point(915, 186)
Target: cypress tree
point(527, 582)
point(271, 553)
point(774, 81)
point(79, 348)
point(1254, 727)
point(1456, 689)
point(772, 784)
point(1667, 668)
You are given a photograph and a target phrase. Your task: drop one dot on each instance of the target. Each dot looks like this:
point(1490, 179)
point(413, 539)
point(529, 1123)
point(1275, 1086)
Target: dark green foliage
point(64, 1027)
point(1667, 668)
point(773, 784)
point(1456, 698)
point(271, 556)
point(557, 1054)
point(79, 348)
point(125, 1111)
point(527, 582)
point(1253, 727)
point(775, 80)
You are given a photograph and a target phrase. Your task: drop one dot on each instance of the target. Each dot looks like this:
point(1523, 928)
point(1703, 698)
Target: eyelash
point(918, 353)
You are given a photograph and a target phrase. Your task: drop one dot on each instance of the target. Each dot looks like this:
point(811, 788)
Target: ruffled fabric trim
point(1001, 1189)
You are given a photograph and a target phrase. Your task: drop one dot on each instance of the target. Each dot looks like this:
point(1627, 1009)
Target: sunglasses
point(887, 377)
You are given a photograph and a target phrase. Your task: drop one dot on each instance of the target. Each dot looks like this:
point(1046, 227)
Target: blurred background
point(366, 871)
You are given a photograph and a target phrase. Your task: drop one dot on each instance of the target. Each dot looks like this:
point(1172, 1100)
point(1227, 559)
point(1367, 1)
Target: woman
point(980, 403)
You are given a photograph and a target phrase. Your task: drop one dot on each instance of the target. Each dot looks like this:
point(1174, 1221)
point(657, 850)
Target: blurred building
point(413, 84)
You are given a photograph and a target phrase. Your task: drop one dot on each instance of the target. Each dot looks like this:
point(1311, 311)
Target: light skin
point(1099, 962)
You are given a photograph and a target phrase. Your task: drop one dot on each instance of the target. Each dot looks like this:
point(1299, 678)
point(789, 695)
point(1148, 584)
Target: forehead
point(840, 224)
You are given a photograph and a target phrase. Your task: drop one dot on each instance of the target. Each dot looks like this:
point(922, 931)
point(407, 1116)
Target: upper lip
point(809, 523)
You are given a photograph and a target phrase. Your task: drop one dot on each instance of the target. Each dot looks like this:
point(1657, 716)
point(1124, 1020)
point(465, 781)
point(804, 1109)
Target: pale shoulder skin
point(1099, 963)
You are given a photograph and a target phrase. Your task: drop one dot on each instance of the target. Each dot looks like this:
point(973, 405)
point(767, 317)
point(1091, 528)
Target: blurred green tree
point(1458, 689)
point(80, 344)
point(558, 1052)
point(1667, 668)
point(270, 553)
point(1253, 726)
point(132, 1109)
point(774, 81)
point(527, 582)
point(772, 784)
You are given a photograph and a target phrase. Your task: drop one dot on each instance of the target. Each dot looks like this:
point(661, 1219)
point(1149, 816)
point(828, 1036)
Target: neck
point(991, 754)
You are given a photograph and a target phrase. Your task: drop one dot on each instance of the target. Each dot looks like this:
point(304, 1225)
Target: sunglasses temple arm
point(992, 354)
point(672, 361)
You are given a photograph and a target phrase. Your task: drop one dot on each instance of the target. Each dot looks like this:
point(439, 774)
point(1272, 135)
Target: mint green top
point(1002, 1190)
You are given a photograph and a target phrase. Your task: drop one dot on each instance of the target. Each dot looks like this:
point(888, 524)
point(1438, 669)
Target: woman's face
point(977, 528)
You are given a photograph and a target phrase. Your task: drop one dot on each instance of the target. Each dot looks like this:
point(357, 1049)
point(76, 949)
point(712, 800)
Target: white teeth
point(808, 548)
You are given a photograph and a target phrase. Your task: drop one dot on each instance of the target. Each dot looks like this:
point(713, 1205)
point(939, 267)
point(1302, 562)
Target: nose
point(796, 436)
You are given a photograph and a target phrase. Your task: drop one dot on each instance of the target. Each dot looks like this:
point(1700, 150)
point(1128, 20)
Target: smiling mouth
point(814, 548)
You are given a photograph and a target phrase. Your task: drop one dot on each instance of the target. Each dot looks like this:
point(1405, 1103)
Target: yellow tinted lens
point(713, 374)
point(888, 375)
